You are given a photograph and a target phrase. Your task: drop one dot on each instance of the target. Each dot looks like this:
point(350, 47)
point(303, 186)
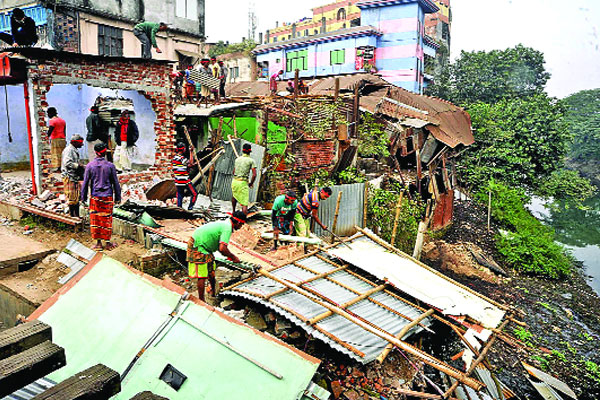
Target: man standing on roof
point(146, 34)
point(204, 242)
point(307, 208)
point(126, 135)
point(273, 81)
point(57, 130)
point(240, 188)
point(71, 172)
point(282, 215)
point(222, 78)
point(22, 30)
point(181, 174)
point(101, 176)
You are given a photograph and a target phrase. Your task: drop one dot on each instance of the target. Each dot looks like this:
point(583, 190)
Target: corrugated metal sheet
point(31, 390)
point(419, 282)
point(351, 209)
point(291, 305)
point(224, 170)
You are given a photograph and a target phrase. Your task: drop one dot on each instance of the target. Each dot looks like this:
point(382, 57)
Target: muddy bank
point(563, 317)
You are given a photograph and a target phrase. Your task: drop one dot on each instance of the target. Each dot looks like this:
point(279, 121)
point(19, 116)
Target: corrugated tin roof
point(194, 110)
point(31, 390)
point(155, 315)
point(351, 339)
point(350, 213)
point(419, 282)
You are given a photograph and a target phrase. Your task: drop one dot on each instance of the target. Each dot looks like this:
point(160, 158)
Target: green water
point(578, 230)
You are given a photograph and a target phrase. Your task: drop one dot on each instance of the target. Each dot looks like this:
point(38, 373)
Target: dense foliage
point(221, 47)
point(528, 245)
point(583, 121)
point(373, 142)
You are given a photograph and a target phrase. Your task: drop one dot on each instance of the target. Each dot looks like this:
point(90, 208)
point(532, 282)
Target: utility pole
point(252, 20)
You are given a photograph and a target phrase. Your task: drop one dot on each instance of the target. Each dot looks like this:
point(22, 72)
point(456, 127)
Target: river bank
point(562, 316)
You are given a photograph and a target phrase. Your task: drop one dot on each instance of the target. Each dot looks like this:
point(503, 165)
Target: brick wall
point(149, 78)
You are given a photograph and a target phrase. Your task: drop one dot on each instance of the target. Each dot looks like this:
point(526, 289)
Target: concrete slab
point(16, 249)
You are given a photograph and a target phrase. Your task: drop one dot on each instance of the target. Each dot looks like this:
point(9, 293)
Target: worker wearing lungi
point(181, 174)
point(71, 175)
point(204, 242)
point(240, 188)
point(307, 208)
point(101, 177)
point(282, 215)
point(57, 130)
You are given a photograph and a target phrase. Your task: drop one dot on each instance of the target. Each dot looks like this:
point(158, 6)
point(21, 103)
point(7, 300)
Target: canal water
point(578, 229)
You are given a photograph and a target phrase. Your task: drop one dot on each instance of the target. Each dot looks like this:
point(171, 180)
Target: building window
point(186, 9)
point(306, 32)
point(316, 32)
point(110, 41)
point(289, 37)
point(445, 31)
point(337, 57)
point(274, 39)
point(341, 14)
point(296, 60)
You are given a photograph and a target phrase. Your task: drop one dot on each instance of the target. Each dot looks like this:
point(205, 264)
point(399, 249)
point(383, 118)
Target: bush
point(529, 245)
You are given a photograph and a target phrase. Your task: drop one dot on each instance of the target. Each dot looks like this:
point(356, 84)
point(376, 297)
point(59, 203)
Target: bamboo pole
point(403, 332)
point(398, 208)
point(304, 282)
point(426, 358)
point(427, 267)
point(473, 350)
point(234, 127)
point(477, 361)
point(233, 146)
point(365, 204)
point(337, 213)
point(355, 300)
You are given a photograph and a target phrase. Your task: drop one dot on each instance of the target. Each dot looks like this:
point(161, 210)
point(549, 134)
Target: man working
point(273, 81)
point(307, 208)
point(240, 188)
point(181, 174)
point(146, 34)
point(22, 30)
point(282, 215)
point(96, 132)
point(71, 174)
point(57, 130)
point(204, 242)
point(101, 176)
point(126, 134)
point(223, 78)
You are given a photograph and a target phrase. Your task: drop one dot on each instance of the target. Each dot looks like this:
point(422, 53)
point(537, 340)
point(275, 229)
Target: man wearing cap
point(146, 34)
point(96, 131)
point(240, 188)
point(204, 242)
point(101, 176)
point(71, 174)
point(282, 215)
point(181, 174)
point(308, 208)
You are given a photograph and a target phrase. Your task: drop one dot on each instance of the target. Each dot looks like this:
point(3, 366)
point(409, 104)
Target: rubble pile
point(15, 189)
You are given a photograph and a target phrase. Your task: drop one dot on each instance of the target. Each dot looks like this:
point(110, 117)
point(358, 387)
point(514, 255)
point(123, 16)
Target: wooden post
point(233, 146)
point(234, 127)
point(403, 332)
point(335, 218)
point(355, 112)
point(336, 92)
point(426, 358)
point(192, 147)
point(489, 216)
point(296, 74)
point(421, 232)
point(365, 204)
point(97, 382)
point(398, 208)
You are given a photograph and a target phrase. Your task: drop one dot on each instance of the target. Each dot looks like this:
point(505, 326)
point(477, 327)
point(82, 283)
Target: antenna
point(252, 20)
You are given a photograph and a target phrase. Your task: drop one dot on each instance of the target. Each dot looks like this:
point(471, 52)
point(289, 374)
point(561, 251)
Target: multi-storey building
point(106, 27)
point(351, 36)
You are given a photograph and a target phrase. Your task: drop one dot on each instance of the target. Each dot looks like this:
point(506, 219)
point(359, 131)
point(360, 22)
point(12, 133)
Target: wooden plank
point(98, 382)
point(30, 365)
point(147, 396)
point(403, 332)
point(23, 337)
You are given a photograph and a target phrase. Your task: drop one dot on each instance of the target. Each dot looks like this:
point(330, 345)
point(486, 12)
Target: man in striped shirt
point(182, 176)
point(307, 208)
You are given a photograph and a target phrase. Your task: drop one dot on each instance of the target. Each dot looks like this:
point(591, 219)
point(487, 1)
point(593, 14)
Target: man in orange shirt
point(57, 129)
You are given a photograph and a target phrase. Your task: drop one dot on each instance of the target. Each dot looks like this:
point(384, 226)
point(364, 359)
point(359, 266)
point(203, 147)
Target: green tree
point(246, 46)
point(583, 120)
point(520, 142)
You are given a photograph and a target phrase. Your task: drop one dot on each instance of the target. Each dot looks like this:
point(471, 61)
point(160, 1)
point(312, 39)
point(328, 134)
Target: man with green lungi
point(240, 188)
point(204, 242)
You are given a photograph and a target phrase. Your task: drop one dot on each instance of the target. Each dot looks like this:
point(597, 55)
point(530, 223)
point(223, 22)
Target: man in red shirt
point(57, 129)
point(126, 134)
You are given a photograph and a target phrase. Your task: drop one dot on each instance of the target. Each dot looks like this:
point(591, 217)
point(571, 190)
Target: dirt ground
point(563, 316)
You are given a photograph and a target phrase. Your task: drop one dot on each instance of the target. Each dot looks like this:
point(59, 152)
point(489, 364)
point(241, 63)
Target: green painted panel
point(247, 125)
point(276, 133)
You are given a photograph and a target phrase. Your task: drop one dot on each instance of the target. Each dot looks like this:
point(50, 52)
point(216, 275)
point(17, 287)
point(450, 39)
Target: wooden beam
point(426, 358)
point(398, 208)
point(335, 217)
point(23, 337)
point(30, 365)
point(95, 383)
point(147, 396)
point(355, 300)
point(403, 332)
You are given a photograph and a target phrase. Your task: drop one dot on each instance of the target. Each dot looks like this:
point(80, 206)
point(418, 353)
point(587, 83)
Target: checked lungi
point(200, 265)
point(72, 190)
point(101, 211)
point(56, 148)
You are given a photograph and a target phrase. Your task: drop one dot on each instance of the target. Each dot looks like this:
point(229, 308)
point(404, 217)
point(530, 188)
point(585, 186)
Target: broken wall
point(16, 152)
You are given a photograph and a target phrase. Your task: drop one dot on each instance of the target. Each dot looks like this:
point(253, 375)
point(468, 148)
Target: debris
point(45, 196)
point(548, 380)
point(254, 319)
